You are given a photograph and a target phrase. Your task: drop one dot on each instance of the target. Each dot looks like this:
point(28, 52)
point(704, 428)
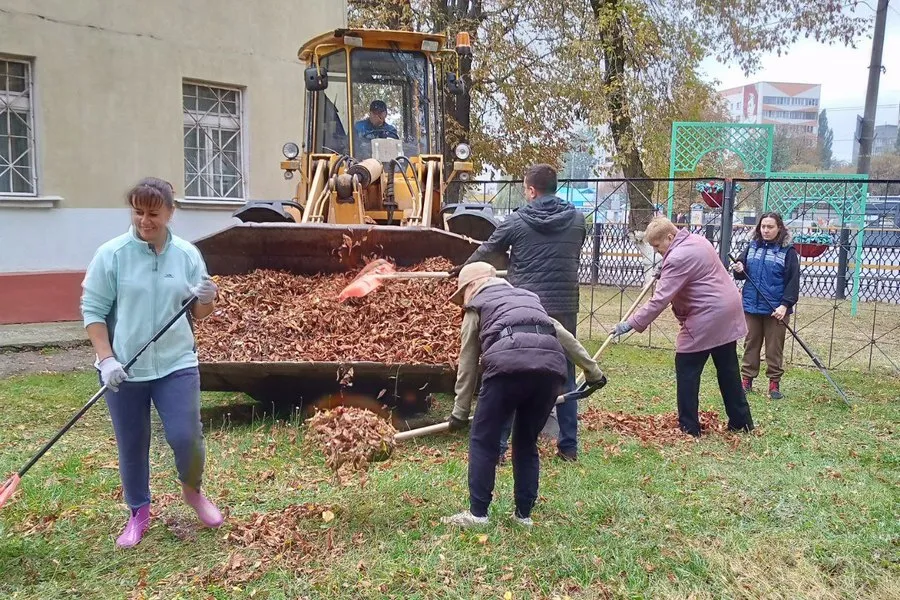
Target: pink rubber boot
point(137, 525)
point(207, 512)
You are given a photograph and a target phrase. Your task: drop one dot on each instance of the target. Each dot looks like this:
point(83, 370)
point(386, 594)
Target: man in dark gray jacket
point(545, 237)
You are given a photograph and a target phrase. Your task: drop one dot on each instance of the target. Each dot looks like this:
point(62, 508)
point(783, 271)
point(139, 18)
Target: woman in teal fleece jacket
point(133, 285)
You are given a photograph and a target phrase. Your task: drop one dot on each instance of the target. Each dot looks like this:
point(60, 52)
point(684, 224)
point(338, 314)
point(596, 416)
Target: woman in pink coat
point(708, 307)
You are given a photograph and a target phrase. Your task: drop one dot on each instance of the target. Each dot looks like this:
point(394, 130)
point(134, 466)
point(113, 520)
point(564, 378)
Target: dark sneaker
point(567, 456)
point(774, 391)
point(747, 384)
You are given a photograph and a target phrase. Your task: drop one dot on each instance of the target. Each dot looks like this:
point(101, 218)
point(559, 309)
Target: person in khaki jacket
point(523, 358)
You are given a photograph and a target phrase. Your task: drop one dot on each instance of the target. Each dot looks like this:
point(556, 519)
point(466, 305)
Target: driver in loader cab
point(523, 354)
point(373, 127)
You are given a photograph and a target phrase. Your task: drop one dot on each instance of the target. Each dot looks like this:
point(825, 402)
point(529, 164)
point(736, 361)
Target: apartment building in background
point(95, 95)
point(791, 107)
point(885, 139)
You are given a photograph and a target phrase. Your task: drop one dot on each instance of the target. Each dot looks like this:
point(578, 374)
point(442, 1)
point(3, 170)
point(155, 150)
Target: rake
point(371, 276)
point(10, 485)
point(803, 345)
point(582, 389)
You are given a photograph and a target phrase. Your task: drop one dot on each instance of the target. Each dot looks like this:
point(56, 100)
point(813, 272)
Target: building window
point(17, 169)
point(213, 142)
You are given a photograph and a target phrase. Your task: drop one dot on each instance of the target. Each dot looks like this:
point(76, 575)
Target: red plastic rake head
point(9, 488)
point(368, 280)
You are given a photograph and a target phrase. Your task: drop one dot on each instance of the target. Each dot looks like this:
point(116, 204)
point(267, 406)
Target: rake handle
point(443, 426)
point(797, 337)
point(423, 275)
point(628, 313)
point(103, 389)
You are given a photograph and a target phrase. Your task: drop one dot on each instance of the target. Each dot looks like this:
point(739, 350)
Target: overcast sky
point(843, 73)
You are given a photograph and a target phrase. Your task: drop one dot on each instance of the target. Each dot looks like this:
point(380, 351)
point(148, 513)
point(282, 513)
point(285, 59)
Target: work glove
point(596, 383)
point(620, 329)
point(457, 424)
point(454, 272)
point(205, 291)
point(112, 373)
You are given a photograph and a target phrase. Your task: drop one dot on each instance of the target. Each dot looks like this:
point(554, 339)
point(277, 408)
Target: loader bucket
point(309, 249)
point(306, 249)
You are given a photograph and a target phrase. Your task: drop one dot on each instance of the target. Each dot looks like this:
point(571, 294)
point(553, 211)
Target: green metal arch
point(714, 149)
point(692, 141)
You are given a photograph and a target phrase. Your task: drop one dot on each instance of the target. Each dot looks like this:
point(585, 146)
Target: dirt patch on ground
point(46, 360)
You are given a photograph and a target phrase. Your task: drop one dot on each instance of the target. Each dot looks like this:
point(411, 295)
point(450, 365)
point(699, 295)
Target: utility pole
point(875, 68)
point(867, 134)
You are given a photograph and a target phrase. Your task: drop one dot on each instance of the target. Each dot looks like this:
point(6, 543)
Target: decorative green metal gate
point(753, 143)
point(845, 194)
point(692, 141)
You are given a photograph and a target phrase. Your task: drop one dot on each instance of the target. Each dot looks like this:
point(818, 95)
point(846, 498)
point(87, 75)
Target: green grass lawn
point(805, 507)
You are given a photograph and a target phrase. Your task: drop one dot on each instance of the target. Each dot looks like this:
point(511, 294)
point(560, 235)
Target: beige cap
point(475, 272)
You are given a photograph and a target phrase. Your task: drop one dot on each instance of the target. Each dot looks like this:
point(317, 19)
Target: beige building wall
point(108, 85)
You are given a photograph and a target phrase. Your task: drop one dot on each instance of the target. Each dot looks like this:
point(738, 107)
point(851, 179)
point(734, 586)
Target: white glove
point(205, 291)
point(112, 373)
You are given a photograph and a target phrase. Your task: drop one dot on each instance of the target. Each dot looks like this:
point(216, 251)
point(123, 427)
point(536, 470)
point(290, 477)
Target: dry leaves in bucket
point(351, 438)
point(274, 316)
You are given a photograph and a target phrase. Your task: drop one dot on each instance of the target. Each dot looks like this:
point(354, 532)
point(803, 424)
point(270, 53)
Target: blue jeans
point(177, 400)
point(567, 412)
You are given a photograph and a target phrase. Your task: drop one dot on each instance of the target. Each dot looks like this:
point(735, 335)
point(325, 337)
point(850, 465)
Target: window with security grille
point(213, 150)
point(17, 173)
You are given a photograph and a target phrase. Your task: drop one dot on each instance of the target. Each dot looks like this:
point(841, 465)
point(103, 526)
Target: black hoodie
point(546, 237)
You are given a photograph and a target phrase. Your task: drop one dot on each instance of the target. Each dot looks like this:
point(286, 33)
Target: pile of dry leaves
point(276, 316)
point(270, 538)
point(351, 438)
point(651, 429)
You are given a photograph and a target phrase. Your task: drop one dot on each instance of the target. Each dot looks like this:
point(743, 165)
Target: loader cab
point(404, 81)
point(374, 144)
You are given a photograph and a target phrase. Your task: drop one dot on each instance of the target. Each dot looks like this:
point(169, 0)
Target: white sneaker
point(465, 520)
point(523, 521)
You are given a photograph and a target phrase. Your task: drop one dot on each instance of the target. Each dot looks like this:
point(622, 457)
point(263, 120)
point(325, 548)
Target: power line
point(842, 108)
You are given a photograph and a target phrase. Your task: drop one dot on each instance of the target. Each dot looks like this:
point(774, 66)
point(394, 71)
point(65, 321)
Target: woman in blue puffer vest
point(773, 265)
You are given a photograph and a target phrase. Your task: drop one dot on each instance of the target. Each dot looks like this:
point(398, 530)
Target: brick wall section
point(40, 297)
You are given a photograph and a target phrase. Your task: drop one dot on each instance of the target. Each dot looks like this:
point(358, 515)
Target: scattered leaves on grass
point(263, 540)
point(652, 430)
point(183, 527)
point(351, 438)
point(40, 524)
point(276, 316)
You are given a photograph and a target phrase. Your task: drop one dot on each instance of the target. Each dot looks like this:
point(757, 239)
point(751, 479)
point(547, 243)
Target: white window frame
point(18, 103)
point(214, 120)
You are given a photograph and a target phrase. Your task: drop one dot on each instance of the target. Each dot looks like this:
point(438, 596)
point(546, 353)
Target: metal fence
point(849, 311)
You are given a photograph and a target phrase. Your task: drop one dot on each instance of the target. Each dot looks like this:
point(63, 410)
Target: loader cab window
point(402, 82)
point(332, 114)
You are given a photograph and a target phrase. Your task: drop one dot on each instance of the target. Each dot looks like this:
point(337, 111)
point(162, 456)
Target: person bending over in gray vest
point(545, 238)
point(523, 369)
